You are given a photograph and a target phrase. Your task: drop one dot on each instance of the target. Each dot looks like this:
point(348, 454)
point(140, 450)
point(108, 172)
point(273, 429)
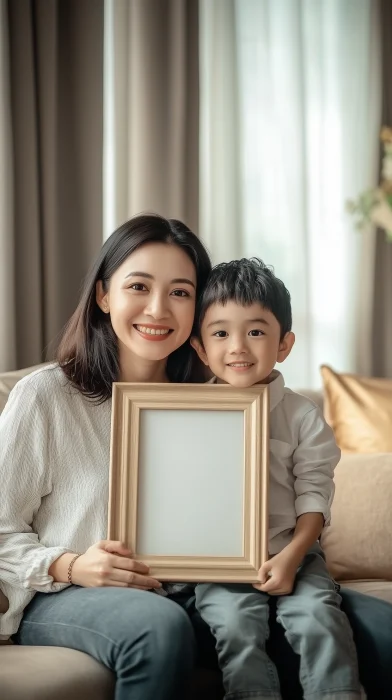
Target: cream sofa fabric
point(357, 543)
point(45, 673)
point(377, 589)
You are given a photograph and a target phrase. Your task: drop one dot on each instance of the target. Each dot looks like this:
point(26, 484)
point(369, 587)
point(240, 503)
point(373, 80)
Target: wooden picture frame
point(188, 422)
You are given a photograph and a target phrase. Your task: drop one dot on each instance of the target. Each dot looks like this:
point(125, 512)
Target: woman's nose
point(157, 306)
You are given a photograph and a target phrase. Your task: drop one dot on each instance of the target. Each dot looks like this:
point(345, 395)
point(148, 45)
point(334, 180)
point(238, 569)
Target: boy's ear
point(198, 346)
point(286, 346)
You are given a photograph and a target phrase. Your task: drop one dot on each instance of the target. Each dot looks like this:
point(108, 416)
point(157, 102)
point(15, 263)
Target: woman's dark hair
point(88, 349)
point(246, 281)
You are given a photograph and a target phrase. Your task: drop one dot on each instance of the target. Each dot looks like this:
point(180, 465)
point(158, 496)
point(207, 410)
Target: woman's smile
point(152, 331)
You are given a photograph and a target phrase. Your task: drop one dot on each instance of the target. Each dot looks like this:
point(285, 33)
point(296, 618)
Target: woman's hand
point(109, 563)
point(278, 574)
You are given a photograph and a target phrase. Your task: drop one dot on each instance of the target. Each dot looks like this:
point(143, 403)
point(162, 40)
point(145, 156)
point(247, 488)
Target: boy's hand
point(278, 574)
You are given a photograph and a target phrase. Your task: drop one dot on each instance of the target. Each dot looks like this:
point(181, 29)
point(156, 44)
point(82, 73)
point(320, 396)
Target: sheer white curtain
point(289, 121)
point(7, 323)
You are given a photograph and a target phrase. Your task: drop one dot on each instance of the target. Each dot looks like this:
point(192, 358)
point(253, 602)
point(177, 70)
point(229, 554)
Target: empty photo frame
point(189, 479)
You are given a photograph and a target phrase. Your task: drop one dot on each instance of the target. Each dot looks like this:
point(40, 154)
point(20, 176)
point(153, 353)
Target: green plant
point(374, 207)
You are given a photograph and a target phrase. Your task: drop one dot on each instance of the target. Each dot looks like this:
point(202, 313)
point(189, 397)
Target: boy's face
point(241, 344)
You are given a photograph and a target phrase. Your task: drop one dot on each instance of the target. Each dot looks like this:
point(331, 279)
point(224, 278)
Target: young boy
point(243, 329)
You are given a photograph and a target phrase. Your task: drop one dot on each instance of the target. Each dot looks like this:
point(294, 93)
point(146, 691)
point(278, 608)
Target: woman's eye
point(255, 333)
point(220, 334)
point(138, 287)
point(180, 293)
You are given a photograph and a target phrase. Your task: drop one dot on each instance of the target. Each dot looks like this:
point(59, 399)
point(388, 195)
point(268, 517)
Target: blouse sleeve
point(26, 458)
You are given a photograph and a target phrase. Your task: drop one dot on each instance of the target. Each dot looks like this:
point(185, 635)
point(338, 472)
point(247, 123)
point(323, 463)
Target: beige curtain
point(151, 110)
point(382, 300)
point(7, 305)
point(56, 72)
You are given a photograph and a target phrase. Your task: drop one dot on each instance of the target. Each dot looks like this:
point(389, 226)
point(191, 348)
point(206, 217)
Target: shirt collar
point(276, 388)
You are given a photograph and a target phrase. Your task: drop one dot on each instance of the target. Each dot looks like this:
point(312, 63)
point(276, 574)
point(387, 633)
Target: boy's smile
point(242, 344)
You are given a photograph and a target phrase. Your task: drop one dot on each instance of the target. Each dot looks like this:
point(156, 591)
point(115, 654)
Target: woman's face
point(151, 301)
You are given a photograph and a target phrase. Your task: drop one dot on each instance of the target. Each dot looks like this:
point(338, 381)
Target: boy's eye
point(180, 293)
point(220, 334)
point(138, 287)
point(255, 333)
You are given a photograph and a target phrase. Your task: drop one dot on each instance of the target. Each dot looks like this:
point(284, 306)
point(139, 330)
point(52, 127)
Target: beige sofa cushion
point(44, 673)
point(377, 589)
point(357, 543)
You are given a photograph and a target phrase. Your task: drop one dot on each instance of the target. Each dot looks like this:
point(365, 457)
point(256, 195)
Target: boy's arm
point(314, 459)
point(307, 531)
point(314, 462)
point(278, 574)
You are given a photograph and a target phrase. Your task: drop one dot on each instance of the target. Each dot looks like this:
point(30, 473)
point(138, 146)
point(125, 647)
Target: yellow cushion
point(357, 543)
point(359, 410)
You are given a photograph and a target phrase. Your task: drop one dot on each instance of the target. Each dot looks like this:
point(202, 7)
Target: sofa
point(43, 673)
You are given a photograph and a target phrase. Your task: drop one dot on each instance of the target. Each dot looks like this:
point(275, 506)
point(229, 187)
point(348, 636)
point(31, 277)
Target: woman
point(133, 323)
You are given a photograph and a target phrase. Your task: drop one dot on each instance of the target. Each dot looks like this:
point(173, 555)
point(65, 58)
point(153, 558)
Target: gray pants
point(315, 627)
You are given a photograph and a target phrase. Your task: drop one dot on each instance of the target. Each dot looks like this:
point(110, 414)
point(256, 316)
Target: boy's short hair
point(246, 281)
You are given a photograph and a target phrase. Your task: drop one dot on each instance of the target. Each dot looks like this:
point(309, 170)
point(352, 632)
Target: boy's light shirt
point(303, 456)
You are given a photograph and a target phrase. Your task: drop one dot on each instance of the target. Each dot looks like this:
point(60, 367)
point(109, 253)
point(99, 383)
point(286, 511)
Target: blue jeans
point(145, 639)
point(370, 619)
point(316, 628)
point(48, 620)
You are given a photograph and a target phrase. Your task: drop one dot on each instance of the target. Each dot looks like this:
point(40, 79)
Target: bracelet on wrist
point(72, 562)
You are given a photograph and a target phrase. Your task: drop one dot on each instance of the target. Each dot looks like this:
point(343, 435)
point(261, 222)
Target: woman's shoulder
point(46, 397)
point(49, 390)
point(46, 386)
point(43, 380)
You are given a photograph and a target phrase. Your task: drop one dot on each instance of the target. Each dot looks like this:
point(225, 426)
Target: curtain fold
point(290, 113)
point(151, 110)
point(381, 331)
point(220, 177)
point(56, 71)
point(7, 302)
